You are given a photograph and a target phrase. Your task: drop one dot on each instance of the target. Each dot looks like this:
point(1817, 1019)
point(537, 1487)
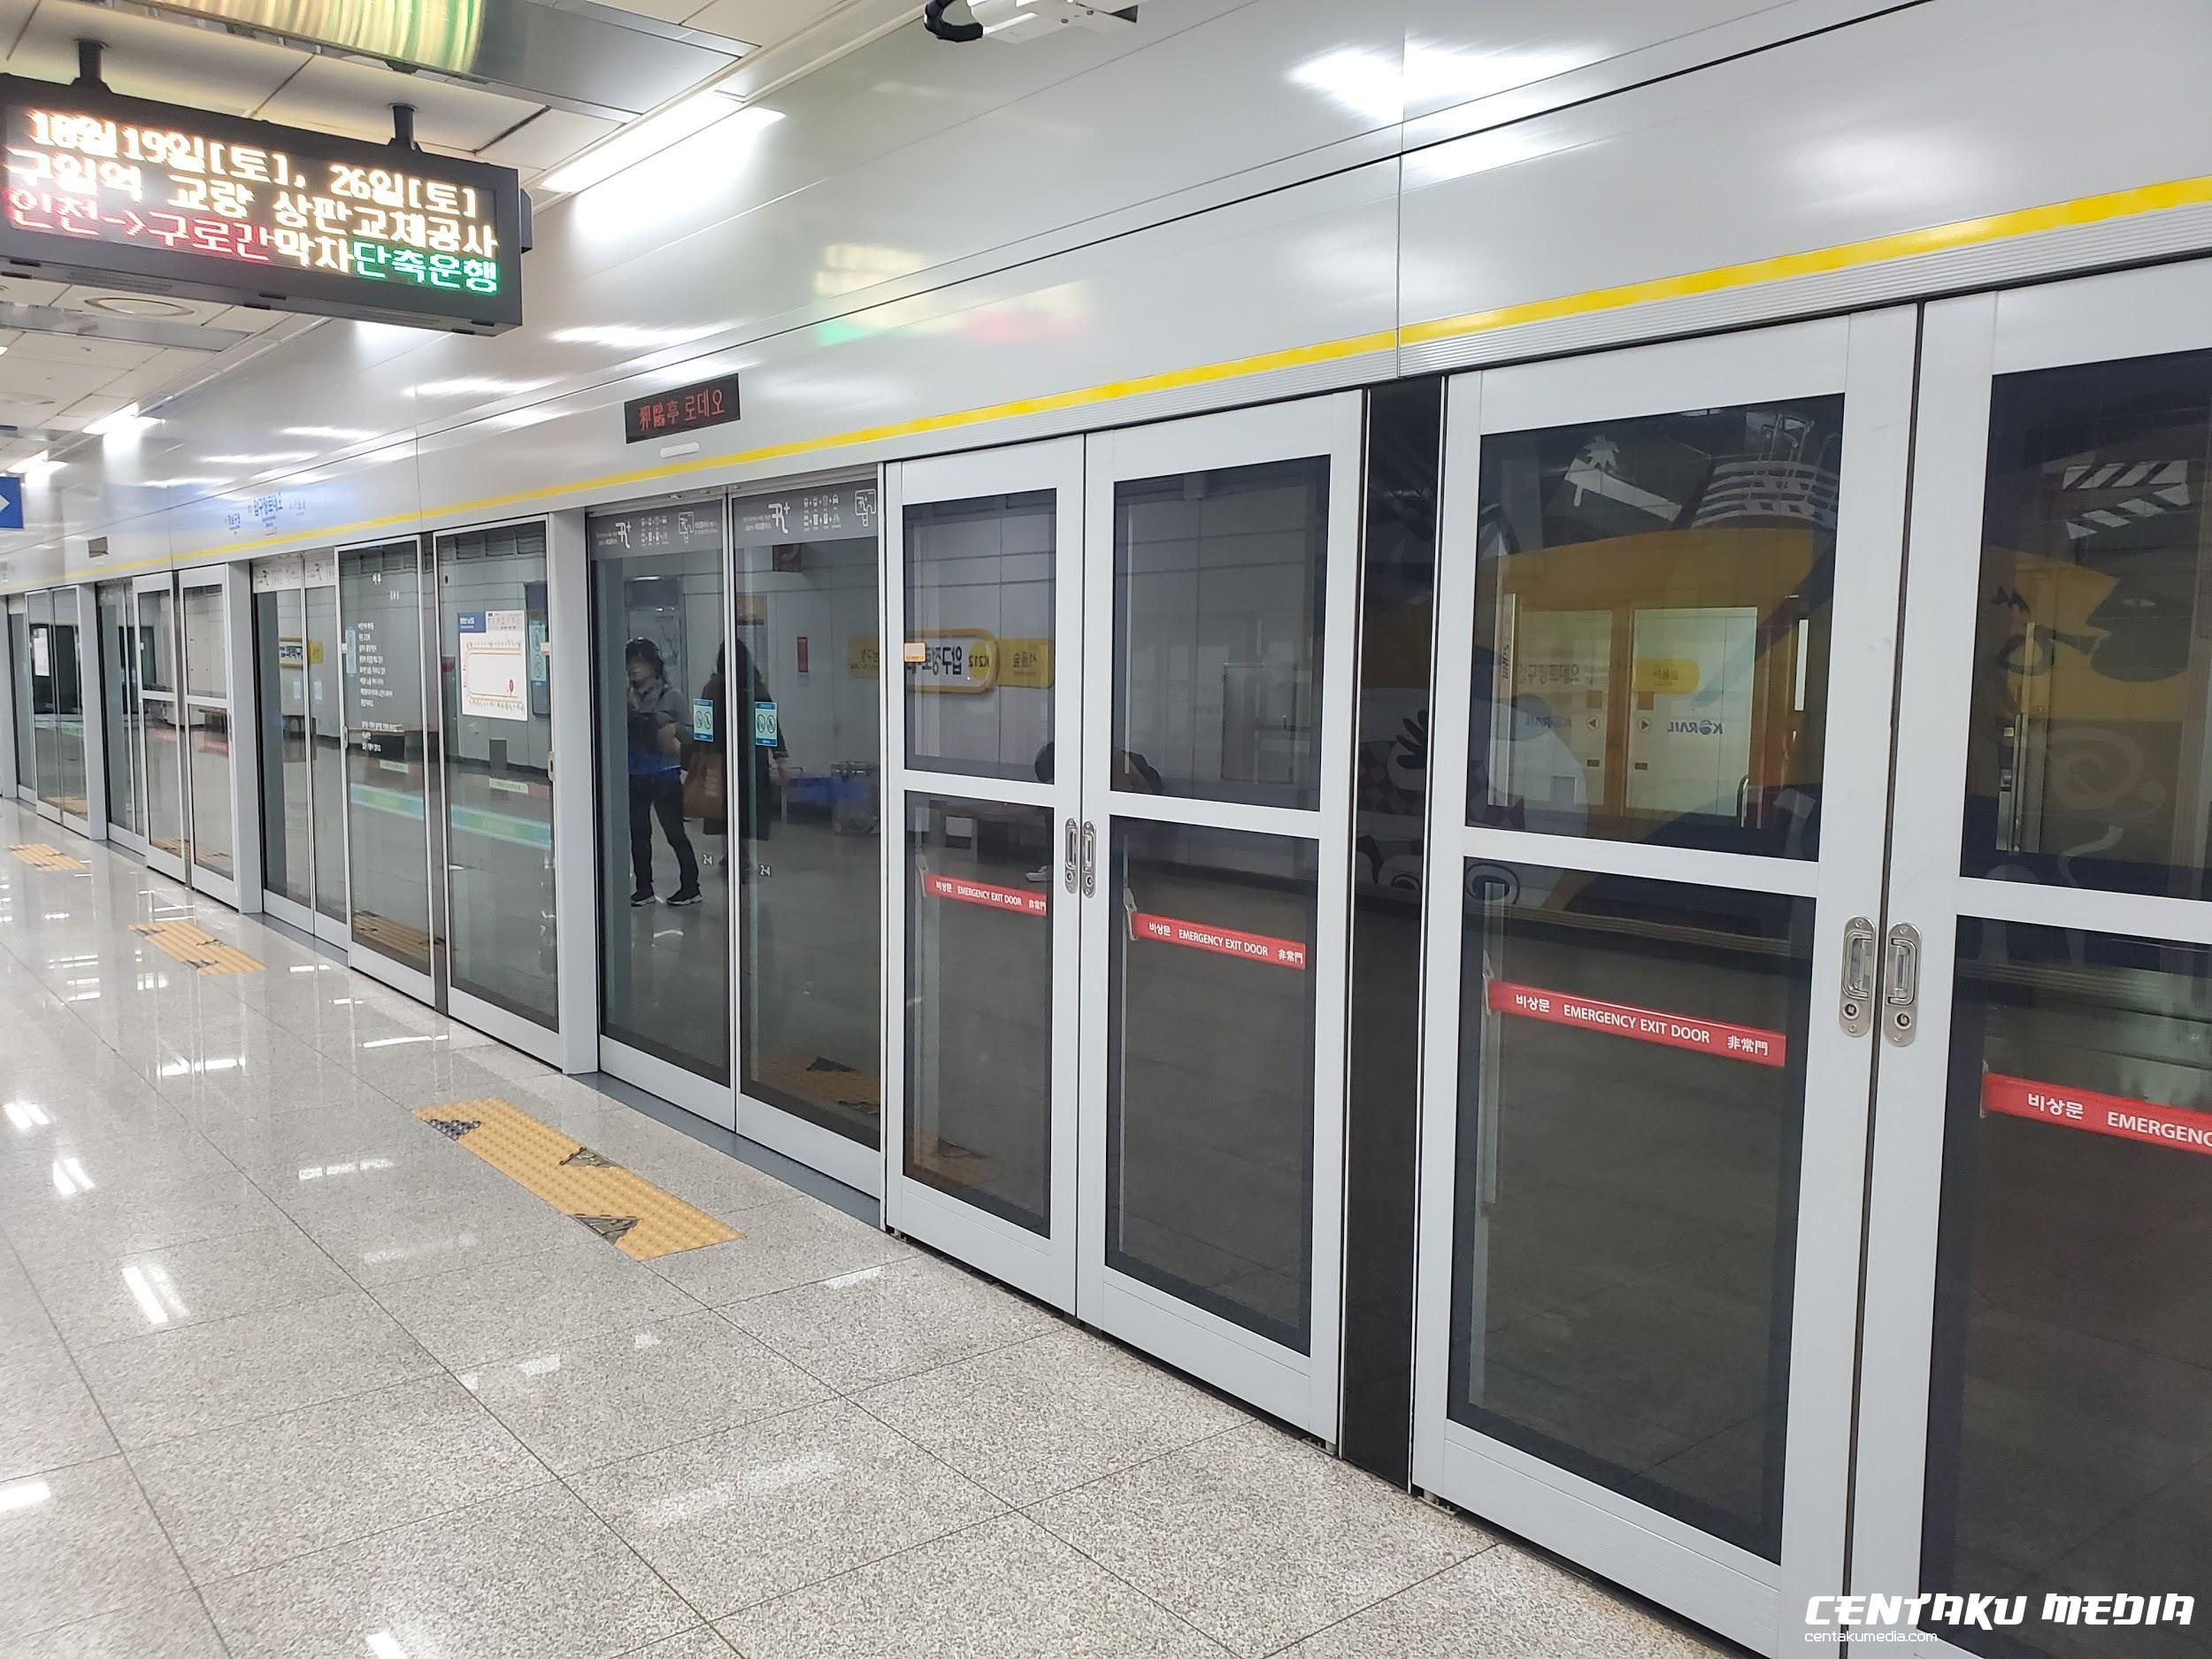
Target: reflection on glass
point(118, 668)
point(2086, 754)
point(1218, 580)
point(19, 671)
point(979, 1002)
point(1651, 627)
point(208, 736)
point(281, 695)
point(499, 769)
point(387, 784)
point(979, 662)
point(1631, 1098)
point(46, 760)
point(206, 651)
point(164, 776)
point(665, 908)
point(1209, 1083)
point(327, 750)
point(2070, 1429)
point(157, 641)
point(69, 793)
point(795, 724)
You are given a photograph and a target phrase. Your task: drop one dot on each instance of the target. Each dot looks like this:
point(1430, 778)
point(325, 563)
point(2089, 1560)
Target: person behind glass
point(659, 722)
point(760, 779)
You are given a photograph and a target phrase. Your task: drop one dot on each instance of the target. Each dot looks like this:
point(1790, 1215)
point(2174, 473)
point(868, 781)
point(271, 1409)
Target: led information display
point(686, 408)
point(128, 193)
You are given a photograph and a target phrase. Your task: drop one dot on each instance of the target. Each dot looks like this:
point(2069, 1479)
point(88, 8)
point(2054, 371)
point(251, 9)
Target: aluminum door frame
point(173, 865)
point(319, 569)
point(1045, 1267)
point(132, 840)
point(1868, 357)
point(241, 888)
point(1966, 344)
point(840, 1157)
point(13, 782)
point(549, 1043)
point(34, 600)
point(1302, 1388)
point(284, 575)
point(91, 712)
point(389, 970)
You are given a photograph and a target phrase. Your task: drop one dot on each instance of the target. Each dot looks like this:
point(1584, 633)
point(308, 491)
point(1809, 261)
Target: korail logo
point(1920, 1618)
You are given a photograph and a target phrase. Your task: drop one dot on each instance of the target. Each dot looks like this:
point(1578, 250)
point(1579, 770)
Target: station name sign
point(125, 193)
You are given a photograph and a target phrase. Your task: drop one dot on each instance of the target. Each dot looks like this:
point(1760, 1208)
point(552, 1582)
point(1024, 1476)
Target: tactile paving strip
point(619, 1205)
point(39, 855)
point(194, 945)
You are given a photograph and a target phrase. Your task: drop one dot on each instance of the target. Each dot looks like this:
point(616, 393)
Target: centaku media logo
point(1919, 1618)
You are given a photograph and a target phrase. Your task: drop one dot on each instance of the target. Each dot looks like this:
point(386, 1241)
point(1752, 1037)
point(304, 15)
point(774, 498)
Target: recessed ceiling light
point(673, 126)
point(127, 305)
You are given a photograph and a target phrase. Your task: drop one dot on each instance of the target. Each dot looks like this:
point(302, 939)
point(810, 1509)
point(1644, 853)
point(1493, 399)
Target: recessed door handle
point(1854, 1008)
point(1901, 985)
point(1067, 851)
point(1090, 860)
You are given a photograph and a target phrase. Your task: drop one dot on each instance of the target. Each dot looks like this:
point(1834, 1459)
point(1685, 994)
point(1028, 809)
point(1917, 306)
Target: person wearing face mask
point(659, 721)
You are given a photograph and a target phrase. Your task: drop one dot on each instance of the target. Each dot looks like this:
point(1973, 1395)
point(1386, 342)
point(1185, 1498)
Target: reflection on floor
point(286, 1374)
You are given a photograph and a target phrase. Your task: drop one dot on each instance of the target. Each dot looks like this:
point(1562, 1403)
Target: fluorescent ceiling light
point(642, 139)
point(341, 434)
point(473, 385)
point(125, 419)
point(40, 464)
point(260, 460)
point(624, 338)
point(183, 483)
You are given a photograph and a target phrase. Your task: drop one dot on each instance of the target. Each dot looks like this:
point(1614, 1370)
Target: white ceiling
point(58, 382)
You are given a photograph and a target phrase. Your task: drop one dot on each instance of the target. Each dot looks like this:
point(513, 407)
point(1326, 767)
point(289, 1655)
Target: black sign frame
point(685, 408)
point(273, 287)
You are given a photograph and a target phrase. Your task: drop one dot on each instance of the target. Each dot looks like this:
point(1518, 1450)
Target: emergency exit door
point(1118, 676)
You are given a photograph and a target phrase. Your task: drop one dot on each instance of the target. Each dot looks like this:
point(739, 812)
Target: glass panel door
point(1645, 1095)
point(280, 630)
point(498, 745)
point(326, 746)
point(162, 741)
point(45, 709)
point(387, 764)
point(1221, 578)
point(68, 638)
point(982, 924)
point(2037, 1425)
point(796, 725)
point(659, 617)
point(119, 679)
point(23, 696)
point(205, 609)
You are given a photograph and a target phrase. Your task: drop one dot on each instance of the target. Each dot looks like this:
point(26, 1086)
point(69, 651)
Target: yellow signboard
point(1666, 676)
point(1026, 662)
point(863, 657)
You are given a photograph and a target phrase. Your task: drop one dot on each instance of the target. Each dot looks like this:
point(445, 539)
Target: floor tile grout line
point(122, 1455)
point(1403, 1589)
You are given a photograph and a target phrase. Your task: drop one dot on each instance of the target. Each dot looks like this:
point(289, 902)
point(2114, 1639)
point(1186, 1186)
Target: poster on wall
point(495, 672)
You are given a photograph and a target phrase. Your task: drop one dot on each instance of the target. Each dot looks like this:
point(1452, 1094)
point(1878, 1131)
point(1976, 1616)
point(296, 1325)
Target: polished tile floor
point(284, 1373)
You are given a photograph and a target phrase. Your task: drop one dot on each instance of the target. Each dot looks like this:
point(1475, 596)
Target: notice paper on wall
point(495, 673)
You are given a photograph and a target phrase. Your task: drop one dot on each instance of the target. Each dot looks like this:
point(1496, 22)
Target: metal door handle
point(1901, 989)
point(1090, 860)
point(1854, 1009)
point(1067, 844)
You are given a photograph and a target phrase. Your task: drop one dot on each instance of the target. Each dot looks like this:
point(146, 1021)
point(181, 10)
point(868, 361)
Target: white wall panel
point(932, 230)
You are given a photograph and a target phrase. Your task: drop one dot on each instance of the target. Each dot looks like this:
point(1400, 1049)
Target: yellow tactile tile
point(194, 945)
point(39, 855)
point(404, 941)
point(621, 1206)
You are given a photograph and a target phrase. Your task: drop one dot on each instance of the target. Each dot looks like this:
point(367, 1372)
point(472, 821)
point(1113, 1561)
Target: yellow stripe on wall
point(2072, 214)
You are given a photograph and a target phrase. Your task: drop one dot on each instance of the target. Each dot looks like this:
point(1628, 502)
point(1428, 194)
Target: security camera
point(1016, 20)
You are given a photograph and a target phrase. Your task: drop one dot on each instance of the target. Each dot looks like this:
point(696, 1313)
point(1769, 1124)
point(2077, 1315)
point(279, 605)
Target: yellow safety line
point(193, 945)
point(2089, 209)
point(620, 1205)
point(39, 855)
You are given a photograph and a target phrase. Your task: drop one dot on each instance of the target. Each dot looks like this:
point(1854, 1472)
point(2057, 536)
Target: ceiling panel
point(548, 140)
point(334, 96)
point(111, 355)
point(150, 58)
point(763, 22)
